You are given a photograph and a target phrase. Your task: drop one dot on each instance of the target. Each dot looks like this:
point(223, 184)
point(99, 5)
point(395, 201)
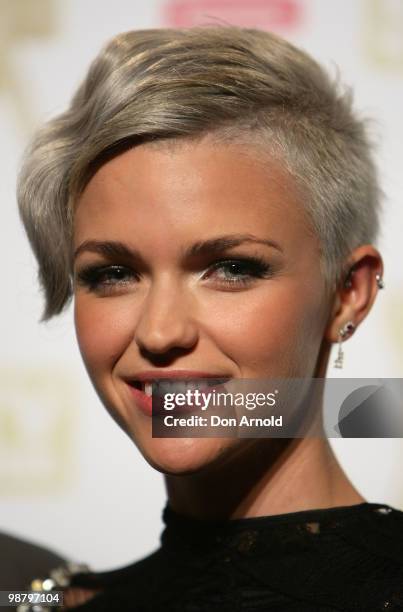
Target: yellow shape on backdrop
point(383, 32)
point(38, 430)
point(21, 20)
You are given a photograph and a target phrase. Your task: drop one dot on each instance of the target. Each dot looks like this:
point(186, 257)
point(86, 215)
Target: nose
point(166, 322)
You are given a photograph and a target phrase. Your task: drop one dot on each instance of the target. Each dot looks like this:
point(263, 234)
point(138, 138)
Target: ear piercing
point(349, 327)
point(345, 331)
point(348, 283)
point(379, 281)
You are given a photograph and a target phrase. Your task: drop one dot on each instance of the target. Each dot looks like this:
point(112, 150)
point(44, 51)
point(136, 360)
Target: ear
point(357, 290)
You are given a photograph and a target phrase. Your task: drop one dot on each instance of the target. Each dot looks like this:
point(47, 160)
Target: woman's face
point(194, 256)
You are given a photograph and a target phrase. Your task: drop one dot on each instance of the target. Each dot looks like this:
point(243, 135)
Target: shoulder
point(361, 559)
point(112, 589)
point(378, 533)
point(134, 573)
point(339, 557)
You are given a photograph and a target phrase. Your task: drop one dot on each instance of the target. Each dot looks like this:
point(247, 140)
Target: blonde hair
point(236, 83)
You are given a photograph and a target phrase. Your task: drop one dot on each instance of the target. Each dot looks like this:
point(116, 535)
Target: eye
point(240, 271)
point(234, 273)
point(105, 278)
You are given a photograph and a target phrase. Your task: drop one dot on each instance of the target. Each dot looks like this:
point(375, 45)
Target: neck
point(265, 477)
point(269, 476)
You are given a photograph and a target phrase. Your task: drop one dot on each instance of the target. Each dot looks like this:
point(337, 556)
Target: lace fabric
point(348, 558)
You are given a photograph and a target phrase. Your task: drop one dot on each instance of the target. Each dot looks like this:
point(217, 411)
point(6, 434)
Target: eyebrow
point(111, 248)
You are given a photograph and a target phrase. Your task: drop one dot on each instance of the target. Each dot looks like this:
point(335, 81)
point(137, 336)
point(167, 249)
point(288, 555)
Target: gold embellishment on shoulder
point(58, 579)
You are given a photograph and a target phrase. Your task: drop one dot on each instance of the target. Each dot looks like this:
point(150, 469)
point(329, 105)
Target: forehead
point(191, 187)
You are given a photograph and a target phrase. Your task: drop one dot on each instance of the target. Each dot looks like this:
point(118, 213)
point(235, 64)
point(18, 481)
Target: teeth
point(148, 389)
point(182, 386)
point(176, 386)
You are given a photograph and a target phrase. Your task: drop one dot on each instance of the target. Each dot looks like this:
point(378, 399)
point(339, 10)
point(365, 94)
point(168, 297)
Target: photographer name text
point(215, 420)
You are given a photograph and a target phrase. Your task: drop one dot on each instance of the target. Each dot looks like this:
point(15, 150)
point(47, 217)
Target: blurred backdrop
point(69, 478)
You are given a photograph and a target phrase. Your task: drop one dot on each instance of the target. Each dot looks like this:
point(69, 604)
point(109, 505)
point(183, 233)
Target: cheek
point(103, 333)
point(276, 331)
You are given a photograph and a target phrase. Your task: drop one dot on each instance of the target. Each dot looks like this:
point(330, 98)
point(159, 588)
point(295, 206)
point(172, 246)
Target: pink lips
point(143, 401)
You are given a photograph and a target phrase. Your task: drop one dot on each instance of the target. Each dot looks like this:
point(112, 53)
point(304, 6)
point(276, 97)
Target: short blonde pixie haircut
point(241, 85)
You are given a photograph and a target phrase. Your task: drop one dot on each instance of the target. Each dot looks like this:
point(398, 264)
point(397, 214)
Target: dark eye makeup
point(95, 276)
point(240, 270)
point(230, 272)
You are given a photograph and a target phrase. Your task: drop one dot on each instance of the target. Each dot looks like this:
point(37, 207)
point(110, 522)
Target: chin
point(182, 456)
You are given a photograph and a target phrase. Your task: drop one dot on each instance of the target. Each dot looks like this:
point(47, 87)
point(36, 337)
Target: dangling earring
point(347, 329)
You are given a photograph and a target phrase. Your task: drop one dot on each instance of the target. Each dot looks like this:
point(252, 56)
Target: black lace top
point(344, 558)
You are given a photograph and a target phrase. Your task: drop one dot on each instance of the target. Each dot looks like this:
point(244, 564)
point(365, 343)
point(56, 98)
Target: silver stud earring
point(345, 331)
point(348, 283)
point(379, 281)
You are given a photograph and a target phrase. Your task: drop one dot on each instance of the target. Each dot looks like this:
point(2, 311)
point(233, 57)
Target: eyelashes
point(233, 273)
point(241, 270)
point(95, 276)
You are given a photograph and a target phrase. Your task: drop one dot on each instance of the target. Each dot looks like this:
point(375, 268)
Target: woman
point(210, 200)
